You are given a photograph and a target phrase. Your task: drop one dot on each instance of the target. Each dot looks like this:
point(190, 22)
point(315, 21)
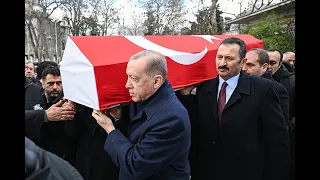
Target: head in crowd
point(230, 55)
point(256, 62)
point(42, 65)
point(289, 58)
point(147, 71)
point(29, 70)
point(275, 57)
point(51, 82)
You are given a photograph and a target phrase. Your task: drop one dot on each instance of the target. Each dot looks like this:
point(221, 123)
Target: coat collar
point(160, 97)
point(243, 86)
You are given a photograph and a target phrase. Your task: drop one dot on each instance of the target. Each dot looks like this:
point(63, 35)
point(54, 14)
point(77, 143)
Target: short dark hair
point(34, 66)
point(263, 56)
point(42, 65)
point(241, 43)
point(53, 70)
point(276, 50)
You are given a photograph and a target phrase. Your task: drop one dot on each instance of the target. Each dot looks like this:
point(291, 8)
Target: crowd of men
point(238, 125)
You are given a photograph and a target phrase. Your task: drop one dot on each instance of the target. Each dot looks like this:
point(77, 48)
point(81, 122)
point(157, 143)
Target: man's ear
point(265, 67)
point(158, 79)
point(243, 61)
point(41, 81)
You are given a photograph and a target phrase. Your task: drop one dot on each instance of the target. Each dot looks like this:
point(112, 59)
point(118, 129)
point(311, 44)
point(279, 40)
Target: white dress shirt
point(232, 84)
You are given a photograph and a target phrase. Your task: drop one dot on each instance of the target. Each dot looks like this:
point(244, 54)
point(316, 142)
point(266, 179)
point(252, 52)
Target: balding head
point(289, 58)
point(155, 62)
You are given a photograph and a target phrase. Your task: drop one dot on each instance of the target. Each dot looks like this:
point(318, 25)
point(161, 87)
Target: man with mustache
point(58, 137)
point(241, 130)
point(35, 114)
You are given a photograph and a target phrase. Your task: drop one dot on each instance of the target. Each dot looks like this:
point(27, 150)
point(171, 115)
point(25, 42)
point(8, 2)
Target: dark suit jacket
point(252, 141)
point(44, 165)
point(59, 137)
point(92, 161)
point(159, 140)
point(283, 96)
point(33, 118)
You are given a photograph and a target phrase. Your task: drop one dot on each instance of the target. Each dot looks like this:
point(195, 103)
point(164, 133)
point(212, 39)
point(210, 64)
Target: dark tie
point(222, 99)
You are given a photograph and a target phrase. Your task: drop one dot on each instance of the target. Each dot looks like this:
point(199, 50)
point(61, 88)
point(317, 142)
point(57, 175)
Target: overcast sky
point(191, 7)
point(128, 9)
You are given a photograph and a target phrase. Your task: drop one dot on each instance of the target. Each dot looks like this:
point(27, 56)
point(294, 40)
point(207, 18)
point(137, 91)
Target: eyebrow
point(228, 56)
point(53, 81)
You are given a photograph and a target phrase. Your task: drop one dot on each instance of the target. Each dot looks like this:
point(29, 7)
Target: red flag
point(93, 68)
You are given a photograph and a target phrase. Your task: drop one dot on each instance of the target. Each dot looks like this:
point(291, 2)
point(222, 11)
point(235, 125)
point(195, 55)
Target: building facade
point(45, 38)
point(286, 8)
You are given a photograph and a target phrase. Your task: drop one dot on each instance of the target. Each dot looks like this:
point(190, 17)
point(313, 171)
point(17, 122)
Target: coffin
point(93, 68)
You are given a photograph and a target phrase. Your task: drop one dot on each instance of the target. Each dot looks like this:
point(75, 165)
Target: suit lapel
point(235, 96)
point(212, 90)
point(243, 87)
point(138, 116)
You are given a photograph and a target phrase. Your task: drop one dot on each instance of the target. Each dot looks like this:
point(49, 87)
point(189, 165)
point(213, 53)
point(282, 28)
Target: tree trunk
point(214, 25)
point(34, 39)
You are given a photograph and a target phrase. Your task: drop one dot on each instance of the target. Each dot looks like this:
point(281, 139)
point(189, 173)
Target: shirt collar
point(232, 82)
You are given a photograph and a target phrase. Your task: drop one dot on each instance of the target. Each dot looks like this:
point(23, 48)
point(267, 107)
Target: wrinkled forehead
point(252, 57)
point(136, 66)
point(30, 65)
point(231, 50)
point(289, 56)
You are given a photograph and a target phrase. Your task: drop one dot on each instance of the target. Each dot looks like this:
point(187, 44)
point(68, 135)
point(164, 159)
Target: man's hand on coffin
point(187, 90)
point(103, 120)
point(70, 104)
point(59, 112)
point(115, 112)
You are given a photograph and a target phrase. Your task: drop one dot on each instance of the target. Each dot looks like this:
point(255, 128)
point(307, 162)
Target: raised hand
point(58, 113)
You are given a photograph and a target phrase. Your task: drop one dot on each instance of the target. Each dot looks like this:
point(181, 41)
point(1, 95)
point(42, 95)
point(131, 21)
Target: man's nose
point(244, 67)
point(223, 62)
point(128, 84)
point(55, 86)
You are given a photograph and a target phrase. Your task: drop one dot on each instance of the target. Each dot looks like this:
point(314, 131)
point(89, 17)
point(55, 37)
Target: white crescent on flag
point(177, 56)
point(96, 61)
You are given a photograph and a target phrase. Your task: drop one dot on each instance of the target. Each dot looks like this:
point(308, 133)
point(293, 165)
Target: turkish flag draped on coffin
point(93, 68)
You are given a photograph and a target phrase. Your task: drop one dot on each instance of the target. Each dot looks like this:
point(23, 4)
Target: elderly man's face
point(290, 59)
point(139, 84)
point(29, 70)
